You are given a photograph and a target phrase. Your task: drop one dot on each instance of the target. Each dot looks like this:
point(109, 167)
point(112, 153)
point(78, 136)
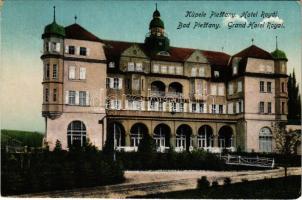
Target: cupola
point(53, 29)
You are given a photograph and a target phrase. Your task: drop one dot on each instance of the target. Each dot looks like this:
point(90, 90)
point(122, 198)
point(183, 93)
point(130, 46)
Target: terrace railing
point(249, 161)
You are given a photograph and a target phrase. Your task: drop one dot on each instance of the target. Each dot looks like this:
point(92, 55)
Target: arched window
point(76, 133)
point(137, 133)
point(205, 137)
point(265, 140)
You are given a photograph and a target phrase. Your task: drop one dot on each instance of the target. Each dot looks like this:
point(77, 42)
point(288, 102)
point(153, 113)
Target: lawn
point(21, 138)
point(278, 188)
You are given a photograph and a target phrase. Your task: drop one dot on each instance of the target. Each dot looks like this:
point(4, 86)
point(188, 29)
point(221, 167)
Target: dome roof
point(156, 22)
point(156, 13)
point(279, 55)
point(54, 29)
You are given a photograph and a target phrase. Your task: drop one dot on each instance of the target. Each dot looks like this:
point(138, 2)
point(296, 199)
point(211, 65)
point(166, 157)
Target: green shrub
point(215, 183)
point(203, 183)
point(227, 181)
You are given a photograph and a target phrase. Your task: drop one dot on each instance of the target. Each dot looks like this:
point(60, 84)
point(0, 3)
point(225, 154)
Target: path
point(150, 182)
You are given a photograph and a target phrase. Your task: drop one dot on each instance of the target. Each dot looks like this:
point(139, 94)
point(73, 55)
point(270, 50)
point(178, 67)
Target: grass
point(278, 188)
point(21, 138)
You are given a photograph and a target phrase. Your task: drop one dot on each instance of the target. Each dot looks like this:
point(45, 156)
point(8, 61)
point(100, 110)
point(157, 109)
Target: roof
point(114, 49)
point(279, 55)
point(75, 31)
point(53, 29)
point(254, 52)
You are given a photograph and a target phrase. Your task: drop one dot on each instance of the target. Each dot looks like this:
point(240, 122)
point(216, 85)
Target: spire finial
point(75, 19)
point(155, 6)
point(252, 41)
point(222, 48)
point(276, 42)
point(54, 13)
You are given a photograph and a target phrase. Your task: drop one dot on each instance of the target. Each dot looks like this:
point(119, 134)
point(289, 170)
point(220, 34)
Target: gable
point(134, 51)
point(197, 57)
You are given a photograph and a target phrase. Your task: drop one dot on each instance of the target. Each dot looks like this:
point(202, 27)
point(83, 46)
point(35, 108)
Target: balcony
point(157, 93)
point(174, 95)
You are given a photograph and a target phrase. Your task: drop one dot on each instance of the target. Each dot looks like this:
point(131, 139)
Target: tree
point(294, 99)
point(147, 144)
point(285, 142)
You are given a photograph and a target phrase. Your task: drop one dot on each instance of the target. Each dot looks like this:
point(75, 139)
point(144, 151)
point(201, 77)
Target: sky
point(22, 24)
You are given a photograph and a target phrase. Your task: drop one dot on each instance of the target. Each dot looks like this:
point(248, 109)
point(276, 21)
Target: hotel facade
point(183, 98)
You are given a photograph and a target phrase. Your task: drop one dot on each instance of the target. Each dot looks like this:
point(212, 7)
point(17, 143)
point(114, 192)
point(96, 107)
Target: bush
point(215, 183)
point(203, 183)
point(227, 181)
point(57, 170)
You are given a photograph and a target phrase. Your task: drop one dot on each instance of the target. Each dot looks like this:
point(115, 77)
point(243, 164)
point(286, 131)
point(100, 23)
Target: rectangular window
point(107, 83)
point(82, 73)
point(235, 69)
point(201, 107)
point(174, 107)
point(55, 71)
point(71, 73)
point(116, 83)
point(152, 105)
point(269, 107)
point(240, 107)
point(111, 65)
point(193, 107)
point(139, 67)
point(220, 109)
point(82, 98)
point(283, 108)
point(83, 51)
point(261, 86)
point(179, 70)
point(213, 89)
point(201, 72)
point(269, 87)
point(282, 87)
point(71, 49)
point(130, 66)
point(54, 95)
point(72, 97)
point(171, 70)
point(128, 83)
point(230, 89)
point(221, 90)
point(261, 107)
point(239, 88)
point(116, 104)
point(155, 68)
point(213, 108)
point(47, 71)
point(230, 108)
point(163, 69)
point(46, 94)
point(216, 74)
point(160, 106)
point(181, 107)
point(193, 72)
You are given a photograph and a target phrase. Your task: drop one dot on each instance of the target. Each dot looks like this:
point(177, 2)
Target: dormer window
point(131, 66)
point(216, 74)
point(139, 67)
point(201, 72)
point(111, 65)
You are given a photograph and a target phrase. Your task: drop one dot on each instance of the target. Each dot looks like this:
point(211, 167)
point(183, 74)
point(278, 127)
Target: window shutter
point(87, 51)
point(177, 107)
point(126, 104)
point(82, 73)
point(224, 109)
point(87, 98)
point(111, 104)
point(111, 80)
point(237, 107)
point(119, 105)
point(77, 98)
point(217, 108)
point(190, 107)
point(170, 107)
point(77, 50)
point(149, 104)
point(210, 108)
point(142, 105)
point(164, 106)
point(197, 107)
point(120, 83)
point(58, 45)
point(205, 108)
point(156, 106)
point(242, 106)
point(71, 72)
point(66, 97)
point(185, 107)
point(66, 48)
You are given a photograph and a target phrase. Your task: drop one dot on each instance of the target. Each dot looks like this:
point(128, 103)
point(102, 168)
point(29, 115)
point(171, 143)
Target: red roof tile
point(77, 32)
point(254, 52)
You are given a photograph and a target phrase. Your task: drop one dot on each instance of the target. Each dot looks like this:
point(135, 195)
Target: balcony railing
point(157, 93)
point(174, 95)
point(163, 149)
